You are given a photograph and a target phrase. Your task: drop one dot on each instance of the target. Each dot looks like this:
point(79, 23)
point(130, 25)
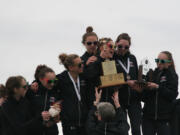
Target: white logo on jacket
point(163, 79)
point(131, 64)
point(82, 82)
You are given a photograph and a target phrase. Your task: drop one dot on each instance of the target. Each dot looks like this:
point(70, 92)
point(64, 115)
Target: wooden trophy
point(144, 73)
point(110, 77)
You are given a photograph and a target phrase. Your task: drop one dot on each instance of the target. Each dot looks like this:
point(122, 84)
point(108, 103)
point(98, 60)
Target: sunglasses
point(111, 46)
point(79, 64)
point(162, 61)
point(53, 81)
point(25, 86)
point(125, 47)
point(92, 43)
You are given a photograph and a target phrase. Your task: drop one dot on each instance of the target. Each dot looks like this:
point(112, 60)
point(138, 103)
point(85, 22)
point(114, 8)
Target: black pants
point(153, 127)
point(72, 130)
point(135, 115)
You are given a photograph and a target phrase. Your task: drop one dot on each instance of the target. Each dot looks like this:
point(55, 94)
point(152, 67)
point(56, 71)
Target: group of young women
point(25, 108)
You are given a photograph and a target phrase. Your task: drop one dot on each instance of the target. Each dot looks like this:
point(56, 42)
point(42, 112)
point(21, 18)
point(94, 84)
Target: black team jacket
point(74, 112)
point(127, 96)
point(159, 102)
point(42, 100)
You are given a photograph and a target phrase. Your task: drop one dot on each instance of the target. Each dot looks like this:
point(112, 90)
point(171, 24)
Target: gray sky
point(35, 32)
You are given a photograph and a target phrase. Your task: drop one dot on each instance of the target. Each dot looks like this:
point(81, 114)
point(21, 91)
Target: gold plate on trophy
point(112, 80)
point(109, 67)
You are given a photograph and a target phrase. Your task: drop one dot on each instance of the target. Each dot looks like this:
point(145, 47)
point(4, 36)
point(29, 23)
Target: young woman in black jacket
point(94, 70)
point(90, 42)
point(16, 114)
point(159, 95)
point(45, 97)
point(72, 89)
point(126, 63)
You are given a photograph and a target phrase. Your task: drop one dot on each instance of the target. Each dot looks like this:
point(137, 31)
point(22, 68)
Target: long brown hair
point(38, 70)
point(12, 83)
point(170, 57)
point(41, 71)
point(124, 36)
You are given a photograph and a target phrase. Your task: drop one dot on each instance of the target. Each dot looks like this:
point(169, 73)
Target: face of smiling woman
point(122, 47)
point(48, 80)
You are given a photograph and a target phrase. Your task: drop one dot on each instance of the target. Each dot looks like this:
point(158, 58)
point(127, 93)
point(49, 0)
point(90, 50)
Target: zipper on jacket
point(156, 105)
point(79, 102)
point(129, 95)
point(105, 129)
point(45, 101)
point(106, 94)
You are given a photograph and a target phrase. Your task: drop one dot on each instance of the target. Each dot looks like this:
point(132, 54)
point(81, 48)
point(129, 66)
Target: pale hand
point(45, 115)
point(97, 95)
point(91, 60)
point(34, 86)
point(115, 98)
point(152, 85)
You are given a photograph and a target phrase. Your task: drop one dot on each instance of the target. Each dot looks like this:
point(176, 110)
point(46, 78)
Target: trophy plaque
point(110, 76)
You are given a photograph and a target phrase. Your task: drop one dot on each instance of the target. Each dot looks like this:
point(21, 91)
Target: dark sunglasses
point(80, 64)
point(125, 47)
point(90, 43)
point(25, 86)
point(51, 81)
point(162, 61)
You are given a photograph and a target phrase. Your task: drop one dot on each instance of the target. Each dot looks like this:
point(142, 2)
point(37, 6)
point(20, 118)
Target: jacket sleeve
point(122, 123)
point(91, 121)
point(169, 90)
point(93, 69)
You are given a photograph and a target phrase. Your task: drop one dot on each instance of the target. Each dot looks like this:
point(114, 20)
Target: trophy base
point(112, 80)
point(112, 85)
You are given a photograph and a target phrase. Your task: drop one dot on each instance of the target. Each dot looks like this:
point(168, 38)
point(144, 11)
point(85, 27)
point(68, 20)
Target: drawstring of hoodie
point(105, 129)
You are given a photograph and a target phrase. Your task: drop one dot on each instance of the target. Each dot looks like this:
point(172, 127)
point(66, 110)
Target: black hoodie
point(16, 118)
point(42, 100)
point(159, 102)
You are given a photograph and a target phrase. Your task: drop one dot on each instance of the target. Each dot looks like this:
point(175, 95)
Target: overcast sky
point(35, 32)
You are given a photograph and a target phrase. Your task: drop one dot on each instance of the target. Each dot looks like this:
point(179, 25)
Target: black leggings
point(153, 127)
point(135, 116)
